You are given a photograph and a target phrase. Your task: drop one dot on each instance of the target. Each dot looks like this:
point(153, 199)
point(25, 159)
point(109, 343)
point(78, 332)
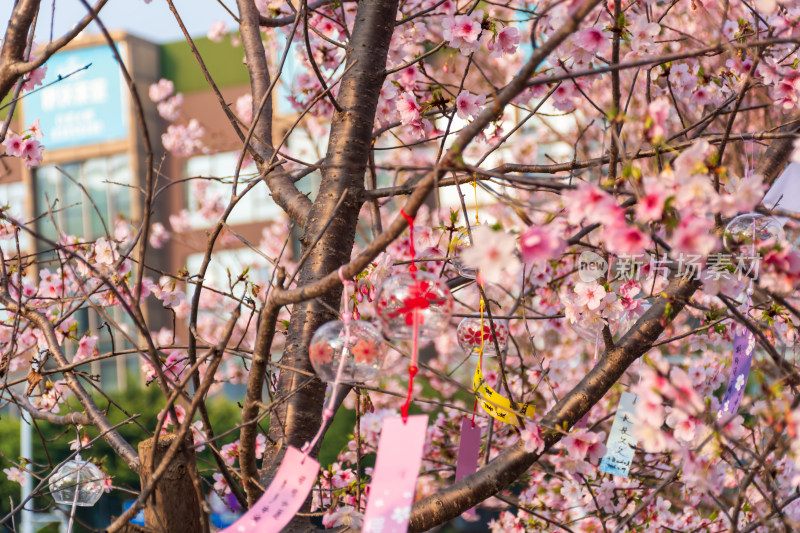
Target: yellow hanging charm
point(494, 403)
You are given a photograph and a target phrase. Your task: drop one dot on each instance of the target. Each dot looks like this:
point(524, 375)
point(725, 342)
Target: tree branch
point(98, 418)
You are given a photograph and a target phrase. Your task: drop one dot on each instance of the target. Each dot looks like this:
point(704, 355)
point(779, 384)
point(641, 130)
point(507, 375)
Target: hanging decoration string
point(410, 220)
point(328, 412)
point(413, 369)
point(475, 188)
point(494, 403)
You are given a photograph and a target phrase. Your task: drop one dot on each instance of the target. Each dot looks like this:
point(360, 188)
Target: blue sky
point(153, 21)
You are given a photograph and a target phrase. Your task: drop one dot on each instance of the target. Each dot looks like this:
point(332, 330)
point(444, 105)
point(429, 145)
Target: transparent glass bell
point(458, 244)
point(365, 353)
point(469, 336)
point(746, 234)
point(408, 299)
point(77, 482)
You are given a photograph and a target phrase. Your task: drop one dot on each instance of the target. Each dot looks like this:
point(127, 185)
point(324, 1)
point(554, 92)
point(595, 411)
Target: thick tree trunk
point(173, 507)
point(297, 419)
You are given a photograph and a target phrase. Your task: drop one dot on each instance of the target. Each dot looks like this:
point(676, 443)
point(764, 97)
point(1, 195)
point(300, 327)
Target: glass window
point(208, 198)
point(226, 265)
point(65, 208)
point(12, 196)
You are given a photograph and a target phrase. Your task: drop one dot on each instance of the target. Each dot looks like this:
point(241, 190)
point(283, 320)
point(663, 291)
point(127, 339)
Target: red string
point(413, 369)
point(474, 409)
point(410, 220)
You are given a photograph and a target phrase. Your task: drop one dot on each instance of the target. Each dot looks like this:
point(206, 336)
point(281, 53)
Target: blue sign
point(139, 518)
point(89, 107)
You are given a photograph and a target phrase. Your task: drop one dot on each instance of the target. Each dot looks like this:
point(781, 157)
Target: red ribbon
point(410, 221)
point(413, 369)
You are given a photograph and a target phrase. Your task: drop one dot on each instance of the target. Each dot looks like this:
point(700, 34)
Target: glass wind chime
point(77, 483)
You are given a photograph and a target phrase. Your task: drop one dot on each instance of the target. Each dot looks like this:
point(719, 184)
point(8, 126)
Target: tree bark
point(173, 507)
point(295, 420)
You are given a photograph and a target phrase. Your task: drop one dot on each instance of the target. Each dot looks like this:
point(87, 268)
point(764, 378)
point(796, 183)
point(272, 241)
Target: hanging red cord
point(410, 220)
point(412, 369)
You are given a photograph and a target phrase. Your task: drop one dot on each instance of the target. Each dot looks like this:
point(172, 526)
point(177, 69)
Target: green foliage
point(51, 446)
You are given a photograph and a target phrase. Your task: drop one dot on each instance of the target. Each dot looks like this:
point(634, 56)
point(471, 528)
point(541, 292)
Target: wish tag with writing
point(743, 345)
point(283, 498)
point(391, 493)
point(621, 442)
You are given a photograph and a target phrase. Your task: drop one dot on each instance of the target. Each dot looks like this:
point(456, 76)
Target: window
point(226, 265)
point(64, 207)
point(203, 195)
point(12, 195)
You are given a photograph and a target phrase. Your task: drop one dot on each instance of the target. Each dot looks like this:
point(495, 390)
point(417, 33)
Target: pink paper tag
point(469, 449)
point(283, 498)
point(391, 493)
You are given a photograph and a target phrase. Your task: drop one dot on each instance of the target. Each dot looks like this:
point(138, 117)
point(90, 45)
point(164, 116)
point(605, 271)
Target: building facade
point(93, 172)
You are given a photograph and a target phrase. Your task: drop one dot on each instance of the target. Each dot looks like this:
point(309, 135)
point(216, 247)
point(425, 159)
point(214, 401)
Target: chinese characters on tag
point(620, 448)
point(283, 498)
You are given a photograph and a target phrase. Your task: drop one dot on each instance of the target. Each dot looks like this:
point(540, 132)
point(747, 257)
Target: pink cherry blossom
point(220, 485)
point(410, 111)
point(658, 113)
point(244, 108)
point(506, 42)
point(35, 78)
point(217, 31)
point(169, 109)
point(180, 223)
point(643, 33)
point(105, 252)
point(589, 294)
point(532, 438)
point(345, 515)
point(463, 31)
point(650, 207)
point(492, 253)
point(694, 236)
point(158, 235)
point(261, 445)
point(592, 203)
point(15, 474)
point(199, 436)
point(581, 443)
point(593, 40)
point(184, 140)
point(541, 243)
point(31, 152)
point(86, 347)
point(35, 129)
point(626, 240)
point(13, 144)
point(161, 90)
point(468, 105)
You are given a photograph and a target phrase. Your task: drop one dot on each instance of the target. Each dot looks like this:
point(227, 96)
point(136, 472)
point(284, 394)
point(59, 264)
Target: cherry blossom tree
point(523, 141)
